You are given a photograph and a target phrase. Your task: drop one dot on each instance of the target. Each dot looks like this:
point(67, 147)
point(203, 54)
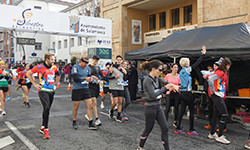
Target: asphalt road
point(19, 129)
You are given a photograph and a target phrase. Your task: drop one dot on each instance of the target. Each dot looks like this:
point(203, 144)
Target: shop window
point(162, 19)
point(65, 44)
point(79, 41)
point(188, 14)
point(72, 41)
point(152, 22)
point(59, 44)
point(175, 16)
point(54, 45)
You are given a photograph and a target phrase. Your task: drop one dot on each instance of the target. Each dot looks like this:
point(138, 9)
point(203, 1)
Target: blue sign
point(33, 54)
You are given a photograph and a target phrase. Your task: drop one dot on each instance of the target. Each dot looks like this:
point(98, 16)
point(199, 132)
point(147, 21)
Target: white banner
point(33, 20)
point(136, 32)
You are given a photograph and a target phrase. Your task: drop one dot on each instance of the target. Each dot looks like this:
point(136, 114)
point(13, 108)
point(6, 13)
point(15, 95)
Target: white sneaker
point(214, 136)
point(102, 106)
point(98, 122)
point(3, 113)
point(222, 139)
point(86, 116)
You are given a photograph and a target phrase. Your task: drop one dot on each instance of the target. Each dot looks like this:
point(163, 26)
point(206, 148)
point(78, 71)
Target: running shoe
point(42, 129)
point(193, 132)
point(24, 104)
point(222, 139)
point(119, 120)
point(17, 88)
point(225, 130)
point(247, 145)
point(175, 124)
point(46, 134)
point(9, 98)
point(125, 118)
point(102, 106)
point(86, 116)
point(140, 148)
point(111, 115)
point(3, 112)
point(23, 94)
point(214, 136)
point(74, 125)
point(93, 127)
point(208, 127)
point(98, 122)
point(179, 131)
point(28, 105)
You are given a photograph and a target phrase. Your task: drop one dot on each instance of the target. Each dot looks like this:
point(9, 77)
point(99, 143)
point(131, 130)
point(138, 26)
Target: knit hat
point(219, 61)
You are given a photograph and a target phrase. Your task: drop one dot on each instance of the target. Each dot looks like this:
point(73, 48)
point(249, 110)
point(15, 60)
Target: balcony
point(152, 4)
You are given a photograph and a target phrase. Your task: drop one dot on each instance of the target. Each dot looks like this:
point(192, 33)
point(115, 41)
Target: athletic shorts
point(4, 89)
point(20, 81)
point(94, 90)
point(106, 90)
point(117, 93)
point(28, 85)
point(80, 94)
point(9, 81)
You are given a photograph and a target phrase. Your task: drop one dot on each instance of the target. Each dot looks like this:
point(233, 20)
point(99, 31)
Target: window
point(59, 44)
point(152, 22)
point(53, 45)
point(65, 44)
point(175, 16)
point(79, 41)
point(162, 18)
point(37, 7)
point(52, 51)
point(38, 46)
point(72, 42)
point(188, 14)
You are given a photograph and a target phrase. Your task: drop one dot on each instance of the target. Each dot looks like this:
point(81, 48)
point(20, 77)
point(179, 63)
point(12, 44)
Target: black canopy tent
point(232, 41)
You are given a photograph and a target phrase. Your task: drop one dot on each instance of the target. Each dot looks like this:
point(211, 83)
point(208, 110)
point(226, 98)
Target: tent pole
point(174, 59)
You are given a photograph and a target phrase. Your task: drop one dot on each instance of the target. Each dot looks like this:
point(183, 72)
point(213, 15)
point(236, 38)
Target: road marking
point(34, 98)
point(34, 91)
point(20, 127)
point(104, 114)
point(25, 140)
point(6, 141)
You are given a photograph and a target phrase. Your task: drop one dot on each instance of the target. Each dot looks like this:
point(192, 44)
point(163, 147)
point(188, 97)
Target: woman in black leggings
point(218, 84)
point(153, 95)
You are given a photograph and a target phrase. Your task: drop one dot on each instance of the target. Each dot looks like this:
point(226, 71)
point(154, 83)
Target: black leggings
point(153, 113)
point(187, 99)
point(132, 91)
point(210, 109)
point(172, 98)
point(220, 109)
point(46, 99)
point(127, 98)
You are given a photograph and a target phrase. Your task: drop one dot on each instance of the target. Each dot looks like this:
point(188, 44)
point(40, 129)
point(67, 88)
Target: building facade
point(141, 23)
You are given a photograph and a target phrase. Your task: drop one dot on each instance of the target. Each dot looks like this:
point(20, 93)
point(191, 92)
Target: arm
point(76, 79)
point(29, 76)
point(17, 80)
point(109, 76)
point(56, 82)
point(203, 52)
point(154, 94)
point(211, 80)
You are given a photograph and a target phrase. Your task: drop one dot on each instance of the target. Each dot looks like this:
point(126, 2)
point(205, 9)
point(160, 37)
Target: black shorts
point(117, 93)
point(94, 90)
point(20, 81)
point(4, 89)
point(28, 85)
point(106, 90)
point(80, 94)
point(9, 81)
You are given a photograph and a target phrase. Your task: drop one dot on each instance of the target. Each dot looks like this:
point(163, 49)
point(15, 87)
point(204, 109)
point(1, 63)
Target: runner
point(173, 98)
point(20, 68)
point(106, 90)
point(94, 87)
point(218, 85)
point(153, 95)
point(115, 76)
point(46, 87)
point(9, 80)
point(26, 84)
point(4, 76)
point(127, 98)
point(187, 98)
point(247, 145)
point(81, 77)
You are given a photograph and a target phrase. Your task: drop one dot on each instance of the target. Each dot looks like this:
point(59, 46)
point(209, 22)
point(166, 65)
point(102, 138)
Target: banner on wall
point(41, 21)
point(136, 32)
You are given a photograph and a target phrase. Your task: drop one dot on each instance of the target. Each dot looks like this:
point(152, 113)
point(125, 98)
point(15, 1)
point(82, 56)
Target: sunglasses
point(84, 61)
point(160, 70)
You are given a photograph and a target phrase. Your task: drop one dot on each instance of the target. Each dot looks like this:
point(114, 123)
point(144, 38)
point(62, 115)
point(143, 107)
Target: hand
point(54, 87)
point(117, 76)
point(124, 71)
point(169, 86)
point(88, 79)
point(94, 77)
point(15, 85)
point(176, 88)
point(4, 73)
point(205, 76)
point(98, 81)
point(203, 49)
point(38, 86)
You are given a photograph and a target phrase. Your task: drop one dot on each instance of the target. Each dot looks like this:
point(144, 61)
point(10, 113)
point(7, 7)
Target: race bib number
point(75, 70)
point(27, 80)
point(51, 77)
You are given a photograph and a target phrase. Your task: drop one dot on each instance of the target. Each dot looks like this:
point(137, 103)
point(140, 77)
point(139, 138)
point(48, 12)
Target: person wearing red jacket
point(218, 84)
